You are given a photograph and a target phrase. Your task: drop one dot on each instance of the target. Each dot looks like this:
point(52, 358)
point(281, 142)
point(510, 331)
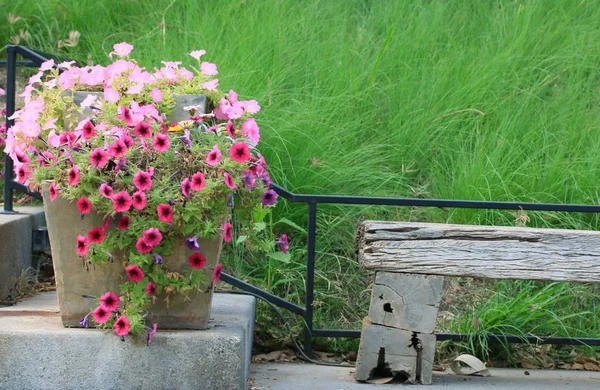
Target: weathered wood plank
point(496, 252)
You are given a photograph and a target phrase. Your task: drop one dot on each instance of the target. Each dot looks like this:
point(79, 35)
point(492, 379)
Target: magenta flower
point(74, 176)
point(161, 142)
point(230, 129)
point(165, 213)
point(186, 186)
point(88, 130)
point(134, 273)
point(198, 181)
point(227, 232)
point(121, 202)
point(117, 149)
point(150, 288)
point(249, 179)
point(101, 315)
point(143, 130)
point(23, 174)
point(124, 114)
point(192, 243)
point(122, 49)
point(98, 158)
point(214, 156)
point(283, 243)
point(250, 130)
point(151, 333)
point(269, 198)
point(123, 223)
point(217, 271)
point(84, 205)
point(96, 235)
point(228, 180)
point(110, 301)
point(152, 237)
point(106, 190)
point(122, 326)
point(139, 200)
point(197, 260)
point(142, 246)
point(105, 224)
point(128, 141)
point(239, 152)
point(142, 181)
point(53, 191)
point(82, 245)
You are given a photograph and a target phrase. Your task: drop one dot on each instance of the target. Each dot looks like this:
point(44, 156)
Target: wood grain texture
point(496, 252)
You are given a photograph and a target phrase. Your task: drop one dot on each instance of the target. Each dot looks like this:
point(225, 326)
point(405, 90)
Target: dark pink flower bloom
point(22, 157)
point(143, 180)
point(143, 130)
point(239, 152)
point(89, 130)
point(142, 246)
point(197, 260)
point(229, 180)
point(23, 174)
point(105, 224)
point(139, 200)
point(96, 235)
point(123, 223)
point(134, 273)
point(98, 158)
point(150, 288)
point(101, 315)
point(121, 202)
point(161, 142)
point(214, 156)
point(249, 179)
point(151, 332)
point(122, 326)
point(198, 181)
point(110, 301)
point(283, 243)
point(186, 185)
point(128, 141)
point(165, 213)
point(230, 129)
point(117, 149)
point(74, 176)
point(227, 232)
point(82, 245)
point(53, 191)
point(152, 237)
point(125, 115)
point(106, 190)
point(269, 198)
point(84, 205)
point(217, 273)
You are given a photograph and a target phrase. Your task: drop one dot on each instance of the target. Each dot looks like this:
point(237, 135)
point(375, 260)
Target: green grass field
point(482, 100)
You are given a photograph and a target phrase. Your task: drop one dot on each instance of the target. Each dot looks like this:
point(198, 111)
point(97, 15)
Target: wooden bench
point(411, 259)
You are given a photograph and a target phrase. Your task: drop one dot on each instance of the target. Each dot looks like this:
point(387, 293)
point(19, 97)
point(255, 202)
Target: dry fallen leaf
point(577, 366)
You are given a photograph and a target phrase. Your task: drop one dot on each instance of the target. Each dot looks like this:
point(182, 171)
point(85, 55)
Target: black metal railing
point(312, 201)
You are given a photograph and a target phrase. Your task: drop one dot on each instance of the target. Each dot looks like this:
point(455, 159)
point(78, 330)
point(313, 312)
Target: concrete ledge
point(36, 351)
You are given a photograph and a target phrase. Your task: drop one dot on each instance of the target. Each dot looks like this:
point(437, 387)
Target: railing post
point(10, 109)
point(310, 277)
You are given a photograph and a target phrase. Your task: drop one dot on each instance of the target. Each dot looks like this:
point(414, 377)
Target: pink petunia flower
point(82, 245)
point(110, 95)
point(122, 49)
point(122, 326)
point(128, 141)
point(228, 180)
point(142, 130)
point(98, 158)
point(121, 202)
point(214, 156)
point(123, 223)
point(53, 191)
point(150, 288)
point(84, 205)
point(227, 232)
point(269, 198)
point(152, 237)
point(134, 273)
point(142, 180)
point(217, 271)
point(230, 129)
point(186, 187)
point(161, 142)
point(47, 65)
point(23, 174)
point(283, 243)
point(250, 129)
point(106, 190)
point(139, 200)
point(211, 85)
point(117, 149)
point(198, 53)
point(101, 315)
point(250, 106)
point(156, 95)
point(164, 212)
point(88, 130)
point(142, 246)
point(110, 301)
point(249, 179)
point(239, 152)
point(198, 181)
point(197, 260)
point(96, 235)
point(105, 224)
point(208, 68)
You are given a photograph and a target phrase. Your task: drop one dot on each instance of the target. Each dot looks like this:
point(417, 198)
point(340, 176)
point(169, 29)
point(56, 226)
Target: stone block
point(15, 252)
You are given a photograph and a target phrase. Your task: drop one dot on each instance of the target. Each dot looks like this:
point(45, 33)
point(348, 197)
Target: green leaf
point(286, 221)
point(280, 256)
point(240, 240)
point(259, 226)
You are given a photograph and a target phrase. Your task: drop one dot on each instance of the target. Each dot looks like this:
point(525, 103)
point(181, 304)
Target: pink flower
point(250, 130)
point(96, 235)
point(122, 326)
point(98, 158)
point(250, 106)
point(249, 179)
point(228, 180)
point(227, 232)
point(198, 53)
point(161, 142)
point(236, 111)
point(269, 198)
point(217, 271)
point(53, 191)
point(121, 202)
point(152, 237)
point(134, 273)
point(197, 260)
point(124, 114)
point(150, 288)
point(185, 187)
point(142, 181)
point(82, 245)
point(23, 174)
point(135, 89)
point(122, 49)
point(117, 149)
point(230, 129)
point(198, 181)
point(101, 315)
point(139, 200)
point(142, 246)
point(84, 205)
point(89, 130)
point(142, 130)
point(105, 224)
point(47, 65)
point(283, 243)
point(123, 223)
point(211, 85)
point(156, 95)
point(53, 139)
point(110, 301)
point(239, 152)
point(110, 95)
point(106, 190)
point(208, 69)
point(214, 156)
point(165, 213)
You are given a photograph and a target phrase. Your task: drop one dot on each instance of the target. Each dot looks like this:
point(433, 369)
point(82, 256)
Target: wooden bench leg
point(397, 337)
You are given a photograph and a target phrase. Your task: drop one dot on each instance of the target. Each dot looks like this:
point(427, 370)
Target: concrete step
point(37, 352)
